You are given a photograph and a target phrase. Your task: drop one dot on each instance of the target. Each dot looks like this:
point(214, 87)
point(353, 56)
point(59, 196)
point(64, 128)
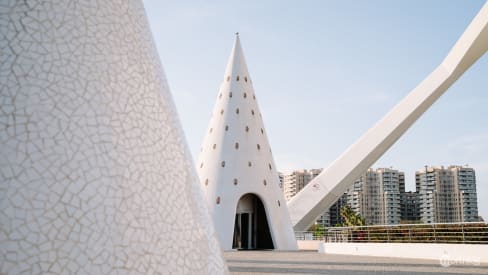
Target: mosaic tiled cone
point(95, 176)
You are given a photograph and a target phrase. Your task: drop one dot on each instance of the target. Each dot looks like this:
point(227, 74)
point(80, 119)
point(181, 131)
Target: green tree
point(351, 218)
point(318, 230)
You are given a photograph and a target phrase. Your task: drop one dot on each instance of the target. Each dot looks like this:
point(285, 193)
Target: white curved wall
point(236, 119)
point(95, 176)
point(446, 253)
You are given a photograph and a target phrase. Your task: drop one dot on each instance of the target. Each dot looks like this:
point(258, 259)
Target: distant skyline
point(325, 72)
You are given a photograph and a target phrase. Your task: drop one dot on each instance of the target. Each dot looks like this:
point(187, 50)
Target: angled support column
point(324, 190)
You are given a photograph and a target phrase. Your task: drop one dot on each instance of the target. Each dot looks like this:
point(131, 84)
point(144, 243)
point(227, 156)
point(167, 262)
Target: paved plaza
point(311, 262)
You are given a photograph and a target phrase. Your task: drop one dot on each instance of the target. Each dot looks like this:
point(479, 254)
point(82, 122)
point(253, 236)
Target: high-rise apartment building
point(409, 204)
point(376, 196)
point(447, 194)
point(465, 180)
point(332, 217)
point(379, 196)
point(294, 182)
point(409, 207)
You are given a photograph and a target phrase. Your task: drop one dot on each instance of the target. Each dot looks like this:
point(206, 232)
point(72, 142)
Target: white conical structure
point(95, 175)
point(236, 160)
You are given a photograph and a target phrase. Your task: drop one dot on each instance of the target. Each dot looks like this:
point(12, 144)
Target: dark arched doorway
point(251, 230)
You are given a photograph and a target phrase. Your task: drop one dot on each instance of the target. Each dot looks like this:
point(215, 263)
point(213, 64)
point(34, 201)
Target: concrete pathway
point(311, 262)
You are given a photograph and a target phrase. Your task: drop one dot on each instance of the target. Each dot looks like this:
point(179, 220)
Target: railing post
point(449, 232)
point(435, 233)
point(462, 228)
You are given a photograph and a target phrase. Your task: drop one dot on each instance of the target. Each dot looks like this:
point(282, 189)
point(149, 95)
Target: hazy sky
point(324, 72)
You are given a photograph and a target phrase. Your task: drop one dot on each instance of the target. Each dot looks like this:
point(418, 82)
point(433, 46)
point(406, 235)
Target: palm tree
point(350, 217)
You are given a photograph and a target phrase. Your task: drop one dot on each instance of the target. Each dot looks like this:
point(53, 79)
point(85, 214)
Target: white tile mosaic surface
point(95, 176)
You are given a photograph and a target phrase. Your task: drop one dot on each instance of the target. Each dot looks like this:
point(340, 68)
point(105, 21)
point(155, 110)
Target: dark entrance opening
point(251, 230)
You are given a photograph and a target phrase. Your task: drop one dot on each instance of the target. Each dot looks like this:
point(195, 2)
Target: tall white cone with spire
point(237, 171)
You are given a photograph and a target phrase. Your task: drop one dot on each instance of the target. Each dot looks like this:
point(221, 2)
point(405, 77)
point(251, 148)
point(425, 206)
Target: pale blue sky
point(324, 72)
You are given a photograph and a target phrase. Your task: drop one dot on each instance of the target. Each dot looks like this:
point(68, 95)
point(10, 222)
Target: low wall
point(445, 253)
point(308, 244)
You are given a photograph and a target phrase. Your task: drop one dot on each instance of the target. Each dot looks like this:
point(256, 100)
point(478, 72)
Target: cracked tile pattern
point(95, 176)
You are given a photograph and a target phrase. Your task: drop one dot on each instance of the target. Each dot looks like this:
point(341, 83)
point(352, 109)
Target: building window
point(228, 78)
point(214, 146)
point(206, 182)
point(235, 181)
point(227, 127)
point(230, 94)
point(254, 97)
point(245, 95)
point(201, 165)
point(252, 112)
point(222, 111)
point(237, 145)
point(262, 131)
point(264, 182)
point(223, 163)
point(247, 128)
point(237, 78)
point(279, 204)
point(269, 164)
point(259, 147)
point(237, 111)
point(245, 78)
point(249, 164)
point(217, 200)
point(210, 131)
point(220, 95)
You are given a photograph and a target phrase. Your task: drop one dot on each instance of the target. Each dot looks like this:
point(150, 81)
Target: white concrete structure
point(309, 244)
point(446, 254)
point(326, 188)
point(237, 170)
point(95, 176)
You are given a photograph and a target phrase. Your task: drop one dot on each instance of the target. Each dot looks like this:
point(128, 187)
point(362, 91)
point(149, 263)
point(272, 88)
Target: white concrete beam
point(324, 190)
